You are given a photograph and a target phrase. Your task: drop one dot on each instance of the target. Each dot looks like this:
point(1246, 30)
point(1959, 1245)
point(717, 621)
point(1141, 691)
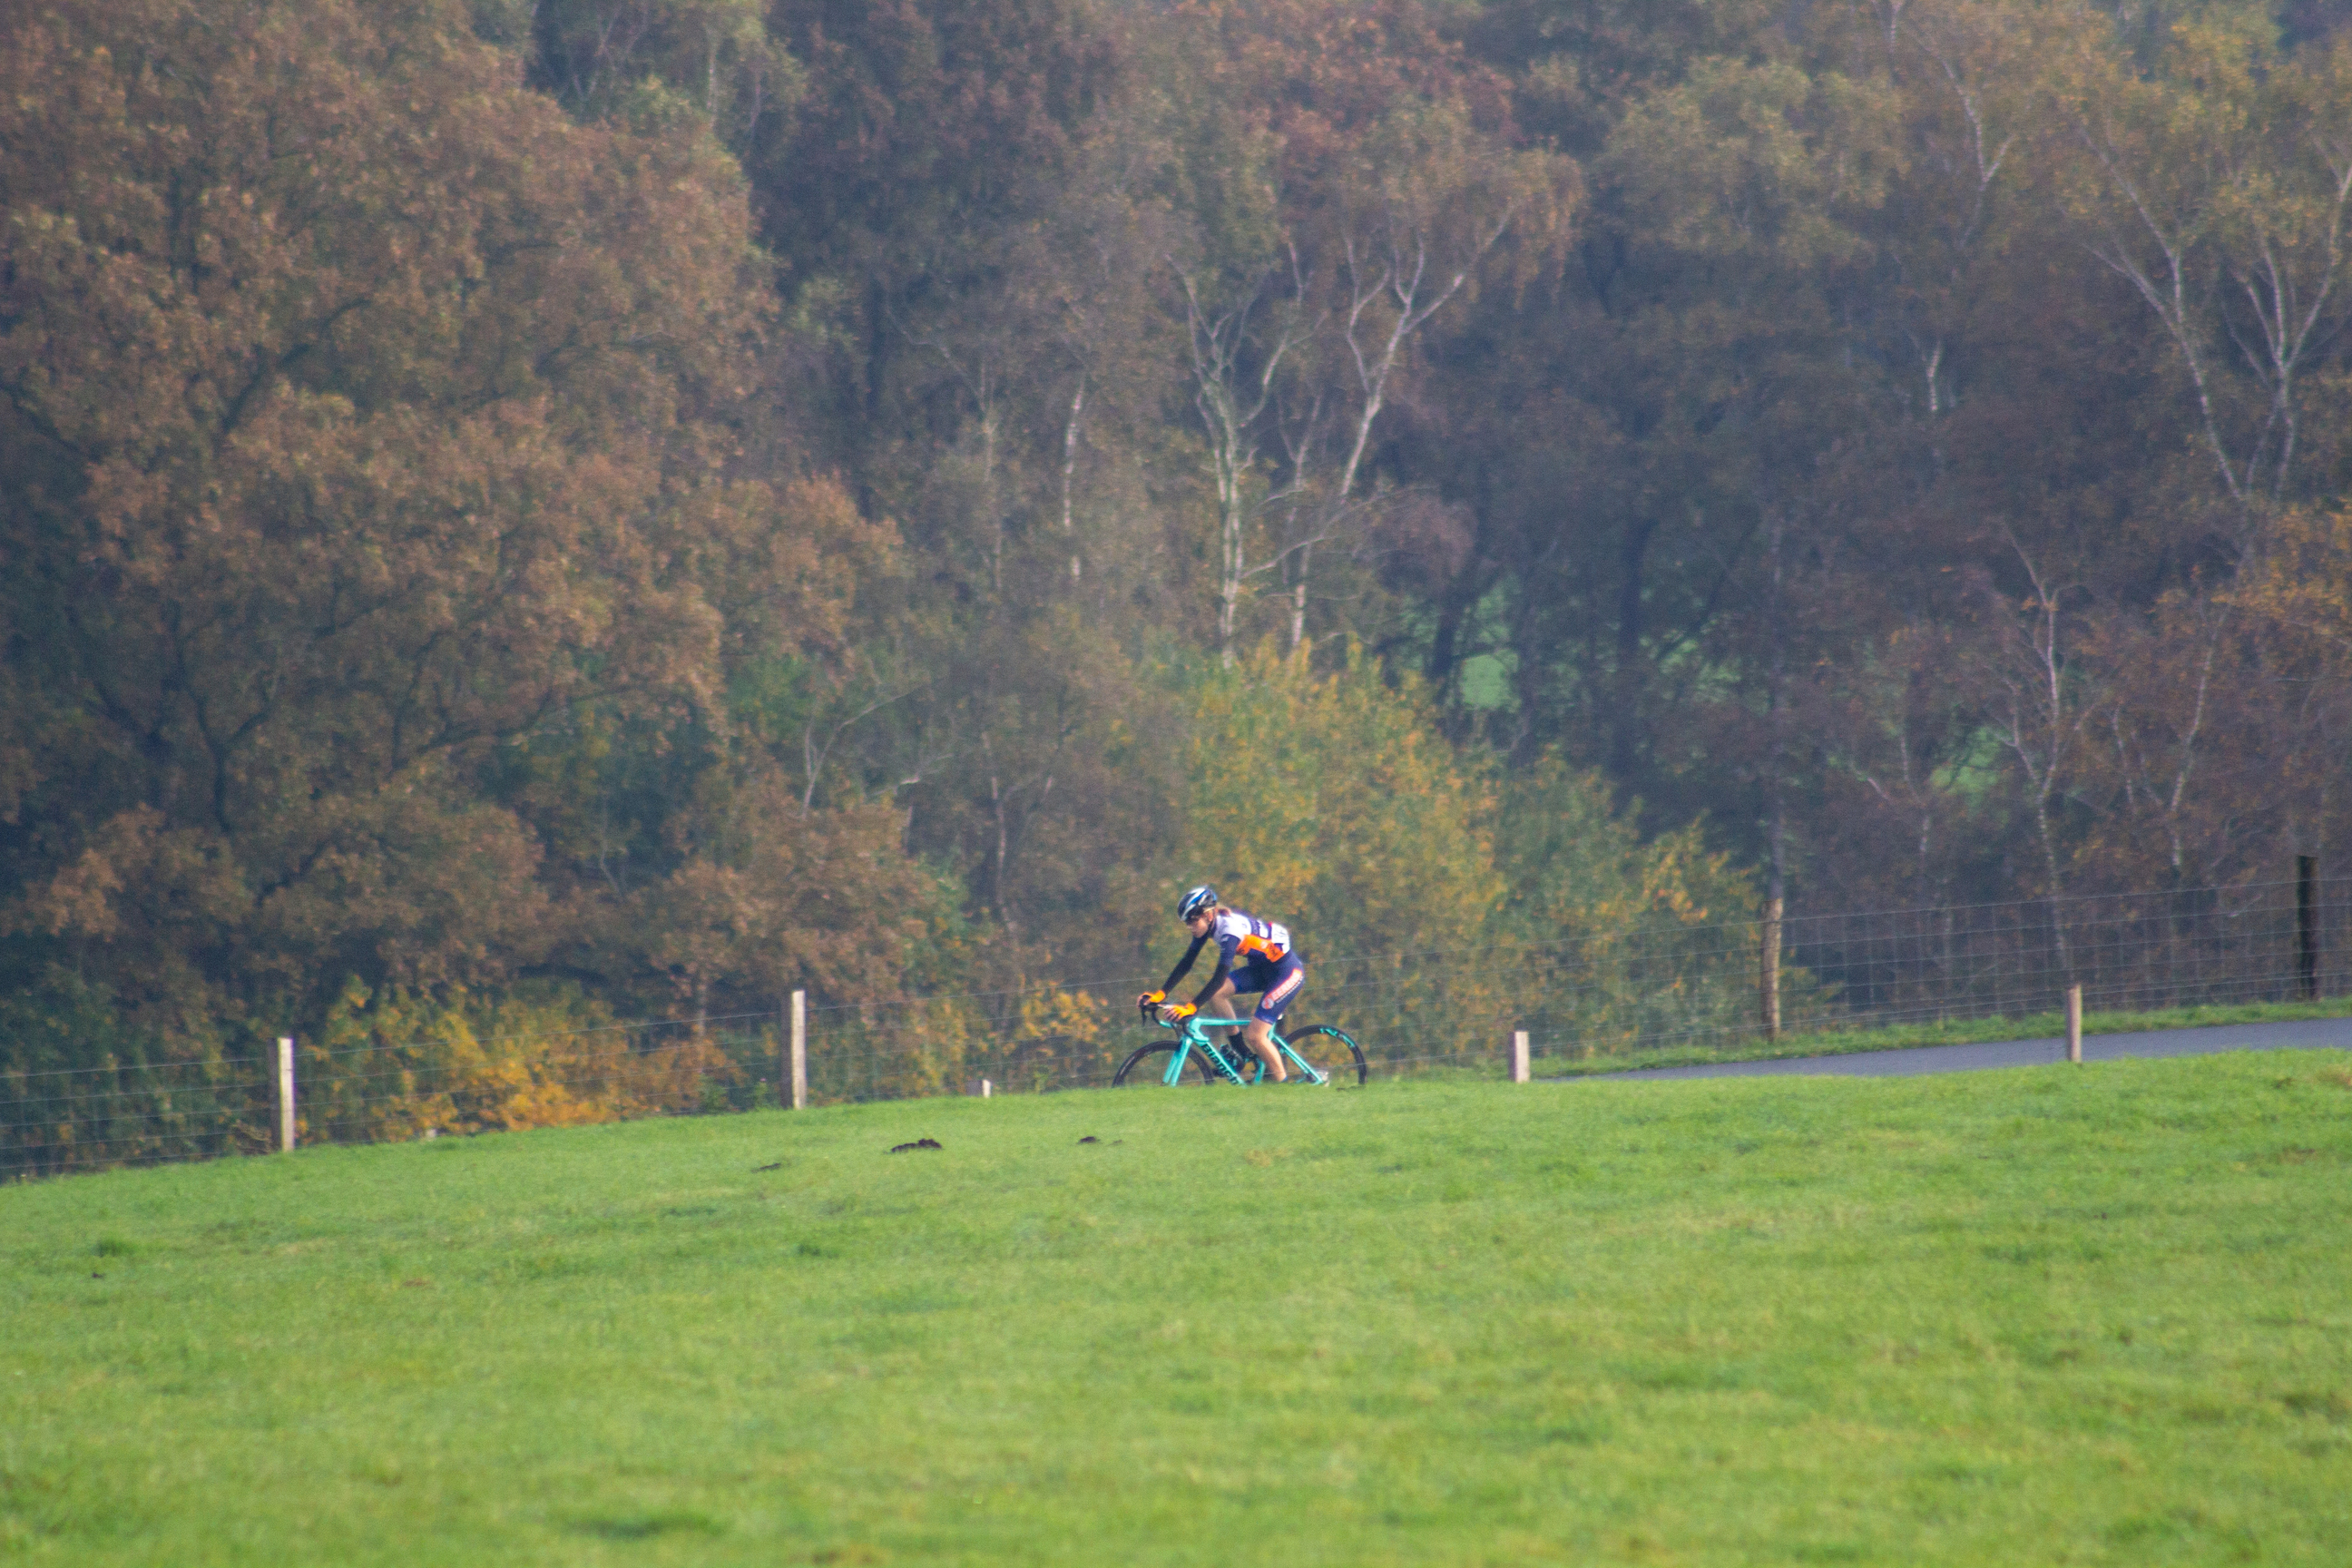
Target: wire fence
point(1665, 986)
point(132, 1111)
point(1658, 986)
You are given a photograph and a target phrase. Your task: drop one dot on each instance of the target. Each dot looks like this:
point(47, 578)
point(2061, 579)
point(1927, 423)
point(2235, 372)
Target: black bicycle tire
point(1158, 1049)
point(1355, 1051)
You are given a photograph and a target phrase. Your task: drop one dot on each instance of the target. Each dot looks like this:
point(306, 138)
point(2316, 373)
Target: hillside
point(2090, 1316)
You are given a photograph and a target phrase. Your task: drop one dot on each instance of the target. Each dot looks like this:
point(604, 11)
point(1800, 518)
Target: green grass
point(1953, 1032)
point(2096, 1315)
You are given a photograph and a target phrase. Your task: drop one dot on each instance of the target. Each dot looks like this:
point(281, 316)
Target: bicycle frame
point(1192, 1032)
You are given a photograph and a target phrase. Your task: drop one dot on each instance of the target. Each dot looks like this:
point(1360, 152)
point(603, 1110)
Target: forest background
point(521, 514)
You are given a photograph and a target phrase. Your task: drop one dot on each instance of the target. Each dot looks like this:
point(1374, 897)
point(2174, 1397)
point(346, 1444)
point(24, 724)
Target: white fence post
point(800, 1050)
point(2074, 1023)
point(285, 1093)
point(1518, 1056)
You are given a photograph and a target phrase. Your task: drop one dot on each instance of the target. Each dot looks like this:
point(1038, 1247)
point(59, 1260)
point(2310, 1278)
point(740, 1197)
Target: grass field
point(2097, 1315)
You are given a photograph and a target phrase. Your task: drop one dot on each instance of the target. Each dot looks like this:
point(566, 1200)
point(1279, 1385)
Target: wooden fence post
point(285, 1093)
point(2074, 1023)
point(1768, 977)
point(1518, 1056)
point(799, 1065)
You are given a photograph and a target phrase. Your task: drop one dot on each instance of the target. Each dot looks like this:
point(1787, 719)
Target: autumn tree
point(1367, 178)
point(368, 426)
point(710, 63)
point(615, 507)
point(2219, 186)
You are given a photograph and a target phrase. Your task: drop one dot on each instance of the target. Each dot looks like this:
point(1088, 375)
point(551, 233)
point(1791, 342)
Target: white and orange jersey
point(1243, 938)
point(1246, 948)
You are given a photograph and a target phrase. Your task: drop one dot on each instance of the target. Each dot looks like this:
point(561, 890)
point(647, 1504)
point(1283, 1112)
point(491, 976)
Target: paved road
point(2309, 1034)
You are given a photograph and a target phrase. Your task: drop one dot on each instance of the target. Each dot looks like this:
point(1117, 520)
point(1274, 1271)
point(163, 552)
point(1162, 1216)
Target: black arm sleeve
point(1184, 964)
point(1224, 968)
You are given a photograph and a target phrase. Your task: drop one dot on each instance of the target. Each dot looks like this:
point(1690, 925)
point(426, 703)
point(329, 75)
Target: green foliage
point(1578, 869)
point(1617, 938)
point(704, 66)
point(1994, 1317)
point(1332, 802)
point(1440, 907)
point(86, 1083)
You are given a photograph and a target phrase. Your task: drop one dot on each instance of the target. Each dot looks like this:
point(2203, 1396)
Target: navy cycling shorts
point(1277, 986)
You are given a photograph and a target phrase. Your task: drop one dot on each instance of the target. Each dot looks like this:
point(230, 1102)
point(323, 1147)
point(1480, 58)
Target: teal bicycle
point(1321, 1055)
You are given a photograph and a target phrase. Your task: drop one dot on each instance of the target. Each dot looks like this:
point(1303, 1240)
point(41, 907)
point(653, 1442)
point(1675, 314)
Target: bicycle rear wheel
point(1147, 1068)
point(1330, 1052)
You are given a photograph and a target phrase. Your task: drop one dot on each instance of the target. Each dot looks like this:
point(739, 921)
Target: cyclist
point(1253, 955)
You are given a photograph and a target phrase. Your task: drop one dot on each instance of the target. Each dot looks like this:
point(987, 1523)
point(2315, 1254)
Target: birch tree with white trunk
point(2218, 188)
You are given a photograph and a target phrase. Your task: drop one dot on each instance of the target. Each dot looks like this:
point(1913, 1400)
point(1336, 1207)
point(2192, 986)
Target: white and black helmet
point(1200, 898)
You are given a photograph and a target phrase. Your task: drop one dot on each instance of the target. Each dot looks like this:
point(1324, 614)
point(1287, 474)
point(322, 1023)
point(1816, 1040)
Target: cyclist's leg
point(1221, 1004)
point(1251, 978)
point(1255, 1038)
point(1281, 989)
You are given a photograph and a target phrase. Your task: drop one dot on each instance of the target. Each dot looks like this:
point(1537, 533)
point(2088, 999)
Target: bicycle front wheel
point(1330, 1052)
point(1147, 1068)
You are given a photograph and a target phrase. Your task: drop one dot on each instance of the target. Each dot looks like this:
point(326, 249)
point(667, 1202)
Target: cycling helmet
point(1193, 902)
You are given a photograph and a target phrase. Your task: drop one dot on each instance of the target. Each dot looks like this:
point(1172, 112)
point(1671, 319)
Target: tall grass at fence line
point(382, 1066)
point(1044, 1037)
point(80, 1087)
point(140, 1110)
